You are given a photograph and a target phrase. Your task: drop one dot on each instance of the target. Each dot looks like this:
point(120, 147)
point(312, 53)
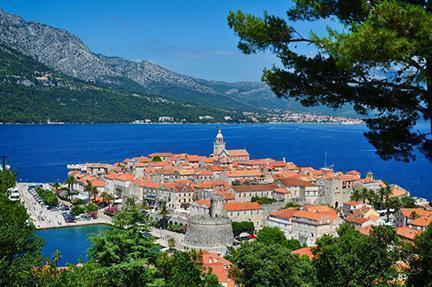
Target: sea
point(40, 153)
point(72, 242)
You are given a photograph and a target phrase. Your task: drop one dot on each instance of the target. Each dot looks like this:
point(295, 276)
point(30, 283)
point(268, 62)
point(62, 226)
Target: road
point(164, 235)
point(44, 218)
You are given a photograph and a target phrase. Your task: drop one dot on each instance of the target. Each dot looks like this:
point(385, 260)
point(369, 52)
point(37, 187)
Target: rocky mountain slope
point(33, 92)
point(66, 53)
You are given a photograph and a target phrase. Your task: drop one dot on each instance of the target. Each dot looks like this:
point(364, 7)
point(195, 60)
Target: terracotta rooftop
point(238, 152)
point(284, 213)
point(219, 266)
point(406, 232)
point(240, 206)
point(305, 251)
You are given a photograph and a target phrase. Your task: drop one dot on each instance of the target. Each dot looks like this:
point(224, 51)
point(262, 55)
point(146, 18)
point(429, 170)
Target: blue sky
point(187, 36)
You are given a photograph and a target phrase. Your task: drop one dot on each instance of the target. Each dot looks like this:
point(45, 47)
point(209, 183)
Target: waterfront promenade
point(44, 218)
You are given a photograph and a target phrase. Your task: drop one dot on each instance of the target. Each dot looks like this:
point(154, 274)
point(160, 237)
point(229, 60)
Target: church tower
point(219, 144)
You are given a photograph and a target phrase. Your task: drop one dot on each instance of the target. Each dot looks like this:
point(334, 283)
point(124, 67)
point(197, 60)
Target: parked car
point(68, 218)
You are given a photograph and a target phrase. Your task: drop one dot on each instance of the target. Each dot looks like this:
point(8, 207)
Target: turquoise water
point(72, 242)
point(41, 152)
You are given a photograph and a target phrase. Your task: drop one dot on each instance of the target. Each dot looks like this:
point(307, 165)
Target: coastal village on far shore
point(199, 197)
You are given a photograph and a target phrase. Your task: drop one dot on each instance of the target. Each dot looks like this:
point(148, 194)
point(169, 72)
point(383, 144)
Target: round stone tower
point(219, 144)
point(210, 230)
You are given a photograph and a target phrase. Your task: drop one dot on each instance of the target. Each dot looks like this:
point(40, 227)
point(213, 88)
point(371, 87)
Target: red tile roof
point(237, 152)
point(240, 206)
point(422, 221)
point(305, 251)
point(406, 232)
point(285, 213)
point(219, 266)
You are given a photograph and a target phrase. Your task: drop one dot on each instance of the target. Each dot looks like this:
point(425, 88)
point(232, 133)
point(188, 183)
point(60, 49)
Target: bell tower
point(219, 144)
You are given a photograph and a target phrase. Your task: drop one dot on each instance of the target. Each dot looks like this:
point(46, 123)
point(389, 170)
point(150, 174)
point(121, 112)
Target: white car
point(14, 196)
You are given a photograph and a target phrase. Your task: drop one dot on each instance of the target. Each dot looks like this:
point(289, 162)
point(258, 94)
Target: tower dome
point(219, 144)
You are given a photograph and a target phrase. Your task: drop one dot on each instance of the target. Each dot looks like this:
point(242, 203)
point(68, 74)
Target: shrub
point(111, 210)
point(263, 200)
point(77, 210)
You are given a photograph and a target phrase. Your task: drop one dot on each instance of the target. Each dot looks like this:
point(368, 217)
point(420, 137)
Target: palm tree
point(94, 191)
point(88, 188)
point(163, 212)
point(70, 181)
point(384, 194)
point(106, 198)
point(393, 203)
point(356, 195)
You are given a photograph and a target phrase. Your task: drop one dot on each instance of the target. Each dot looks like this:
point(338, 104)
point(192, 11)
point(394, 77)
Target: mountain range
point(65, 54)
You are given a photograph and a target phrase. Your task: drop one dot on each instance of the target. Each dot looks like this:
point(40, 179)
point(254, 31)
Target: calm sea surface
point(72, 242)
point(40, 152)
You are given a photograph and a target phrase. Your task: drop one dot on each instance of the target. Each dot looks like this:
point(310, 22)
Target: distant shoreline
point(69, 225)
point(217, 123)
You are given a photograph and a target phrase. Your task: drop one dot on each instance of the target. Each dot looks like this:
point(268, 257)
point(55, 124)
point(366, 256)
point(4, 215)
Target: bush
point(47, 196)
point(91, 207)
point(177, 228)
point(263, 200)
point(291, 205)
point(111, 210)
point(77, 210)
point(78, 201)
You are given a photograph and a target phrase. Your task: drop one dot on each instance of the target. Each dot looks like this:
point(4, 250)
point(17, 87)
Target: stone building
point(209, 228)
point(226, 156)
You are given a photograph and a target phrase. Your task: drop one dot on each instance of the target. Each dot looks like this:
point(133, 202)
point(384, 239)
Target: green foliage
point(291, 205)
point(177, 228)
point(65, 99)
point(156, 159)
point(130, 215)
point(407, 202)
point(260, 264)
point(420, 273)
point(91, 207)
point(263, 200)
point(184, 269)
point(244, 226)
point(378, 60)
point(119, 245)
point(134, 273)
point(49, 197)
point(19, 247)
point(77, 210)
point(354, 259)
point(7, 180)
point(273, 235)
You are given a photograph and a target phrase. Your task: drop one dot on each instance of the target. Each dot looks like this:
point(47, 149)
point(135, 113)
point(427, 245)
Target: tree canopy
point(354, 259)
point(375, 57)
point(19, 247)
